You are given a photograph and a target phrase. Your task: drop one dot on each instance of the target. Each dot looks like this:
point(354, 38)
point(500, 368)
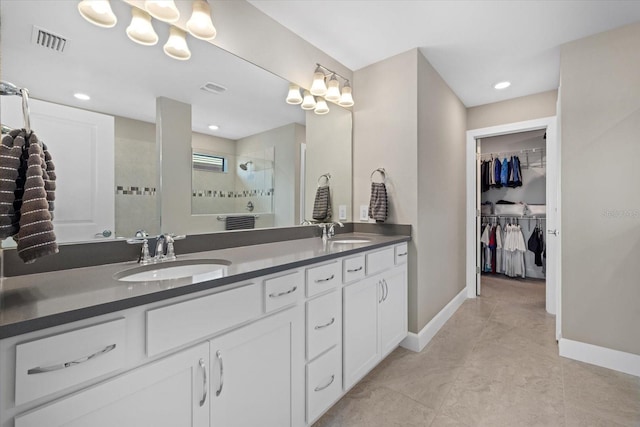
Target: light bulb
point(140, 30)
point(200, 24)
point(164, 10)
point(309, 102)
point(333, 90)
point(318, 87)
point(321, 107)
point(176, 46)
point(502, 85)
point(346, 100)
point(98, 12)
point(294, 97)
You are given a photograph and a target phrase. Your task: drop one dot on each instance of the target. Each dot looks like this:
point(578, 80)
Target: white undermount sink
point(199, 270)
point(350, 241)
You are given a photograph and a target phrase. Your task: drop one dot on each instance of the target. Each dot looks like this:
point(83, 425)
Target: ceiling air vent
point(213, 88)
point(48, 40)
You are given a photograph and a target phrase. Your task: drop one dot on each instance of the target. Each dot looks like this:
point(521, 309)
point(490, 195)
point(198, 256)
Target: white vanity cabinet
point(170, 392)
point(256, 373)
point(375, 315)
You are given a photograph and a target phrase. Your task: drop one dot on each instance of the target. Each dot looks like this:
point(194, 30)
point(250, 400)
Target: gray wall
point(513, 110)
point(441, 193)
point(415, 129)
point(600, 86)
point(385, 134)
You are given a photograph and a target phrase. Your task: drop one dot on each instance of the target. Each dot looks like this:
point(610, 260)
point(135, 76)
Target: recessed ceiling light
point(502, 85)
point(214, 127)
point(82, 96)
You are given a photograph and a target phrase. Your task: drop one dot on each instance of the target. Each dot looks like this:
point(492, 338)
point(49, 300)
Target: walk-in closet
point(512, 191)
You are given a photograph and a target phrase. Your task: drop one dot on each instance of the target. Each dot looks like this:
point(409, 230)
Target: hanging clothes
point(486, 250)
point(514, 248)
point(536, 245)
point(504, 172)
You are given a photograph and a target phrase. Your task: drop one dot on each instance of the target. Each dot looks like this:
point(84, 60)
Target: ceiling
point(472, 44)
point(124, 78)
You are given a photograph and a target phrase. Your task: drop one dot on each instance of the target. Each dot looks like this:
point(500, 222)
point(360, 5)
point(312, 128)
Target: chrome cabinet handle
point(403, 254)
point(325, 280)
point(382, 290)
point(354, 270)
point(40, 370)
point(320, 388)
point(290, 291)
point(204, 381)
point(219, 356)
point(386, 289)
point(333, 319)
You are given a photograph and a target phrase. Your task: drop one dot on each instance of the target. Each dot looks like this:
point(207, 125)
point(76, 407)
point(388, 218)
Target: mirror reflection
point(106, 148)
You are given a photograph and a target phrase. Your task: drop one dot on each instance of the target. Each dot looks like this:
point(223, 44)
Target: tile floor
point(494, 363)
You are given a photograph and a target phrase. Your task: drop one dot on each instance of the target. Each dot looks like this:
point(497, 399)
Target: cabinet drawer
point(380, 260)
point(322, 278)
point(178, 324)
point(324, 385)
point(283, 291)
point(353, 269)
point(324, 323)
point(52, 364)
point(401, 253)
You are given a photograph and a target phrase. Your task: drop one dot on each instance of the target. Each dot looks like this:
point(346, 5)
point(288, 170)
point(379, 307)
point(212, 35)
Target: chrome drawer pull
point(51, 368)
point(290, 291)
point(333, 377)
point(333, 320)
point(403, 254)
point(354, 270)
point(204, 382)
point(219, 356)
point(325, 280)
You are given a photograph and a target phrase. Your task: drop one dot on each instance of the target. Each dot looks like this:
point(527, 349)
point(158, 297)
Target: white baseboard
point(628, 363)
point(416, 342)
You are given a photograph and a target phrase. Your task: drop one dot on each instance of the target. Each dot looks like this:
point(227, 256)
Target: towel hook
point(326, 176)
point(25, 109)
point(382, 172)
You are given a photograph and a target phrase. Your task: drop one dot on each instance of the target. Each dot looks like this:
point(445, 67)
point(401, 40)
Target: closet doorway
point(512, 205)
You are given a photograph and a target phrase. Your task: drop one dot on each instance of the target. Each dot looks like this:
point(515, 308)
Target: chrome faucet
point(159, 253)
point(328, 229)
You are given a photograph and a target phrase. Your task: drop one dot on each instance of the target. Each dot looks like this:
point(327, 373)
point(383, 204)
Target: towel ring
point(326, 176)
point(382, 172)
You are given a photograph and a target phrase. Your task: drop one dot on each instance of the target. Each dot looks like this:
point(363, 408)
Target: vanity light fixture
point(200, 24)
point(81, 96)
point(294, 97)
point(309, 102)
point(140, 30)
point(164, 10)
point(346, 99)
point(321, 106)
point(176, 47)
point(98, 12)
point(333, 89)
point(502, 85)
point(318, 87)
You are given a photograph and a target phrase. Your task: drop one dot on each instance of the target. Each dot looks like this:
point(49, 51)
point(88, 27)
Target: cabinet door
point(360, 320)
point(393, 310)
point(170, 392)
point(252, 380)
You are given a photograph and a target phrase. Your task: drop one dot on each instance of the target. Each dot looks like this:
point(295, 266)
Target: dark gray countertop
point(37, 301)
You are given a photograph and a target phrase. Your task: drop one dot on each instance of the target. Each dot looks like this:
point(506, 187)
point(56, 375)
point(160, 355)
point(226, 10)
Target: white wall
point(514, 110)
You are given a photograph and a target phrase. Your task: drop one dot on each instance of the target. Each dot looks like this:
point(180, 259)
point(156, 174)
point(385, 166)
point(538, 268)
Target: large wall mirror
point(264, 160)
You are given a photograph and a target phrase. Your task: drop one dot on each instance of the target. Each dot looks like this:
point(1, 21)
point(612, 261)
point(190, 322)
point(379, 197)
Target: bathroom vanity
point(275, 339)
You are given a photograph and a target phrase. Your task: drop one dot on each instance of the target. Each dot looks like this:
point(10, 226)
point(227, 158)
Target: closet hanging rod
point(224, 217)
point(540, 150)
point(527, 217)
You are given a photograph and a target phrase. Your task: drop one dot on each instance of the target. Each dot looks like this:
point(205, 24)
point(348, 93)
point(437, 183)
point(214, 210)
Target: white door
point(171, 392)
point(360, 323)
point(478, 219)
point(552, 238)
point(81, 144)
point(392, 314)
point(251, 374)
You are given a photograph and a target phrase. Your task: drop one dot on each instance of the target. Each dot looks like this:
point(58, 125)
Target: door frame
point(553, 291)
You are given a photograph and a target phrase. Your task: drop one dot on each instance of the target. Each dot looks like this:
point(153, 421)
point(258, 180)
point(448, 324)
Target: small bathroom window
point(209, 162)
